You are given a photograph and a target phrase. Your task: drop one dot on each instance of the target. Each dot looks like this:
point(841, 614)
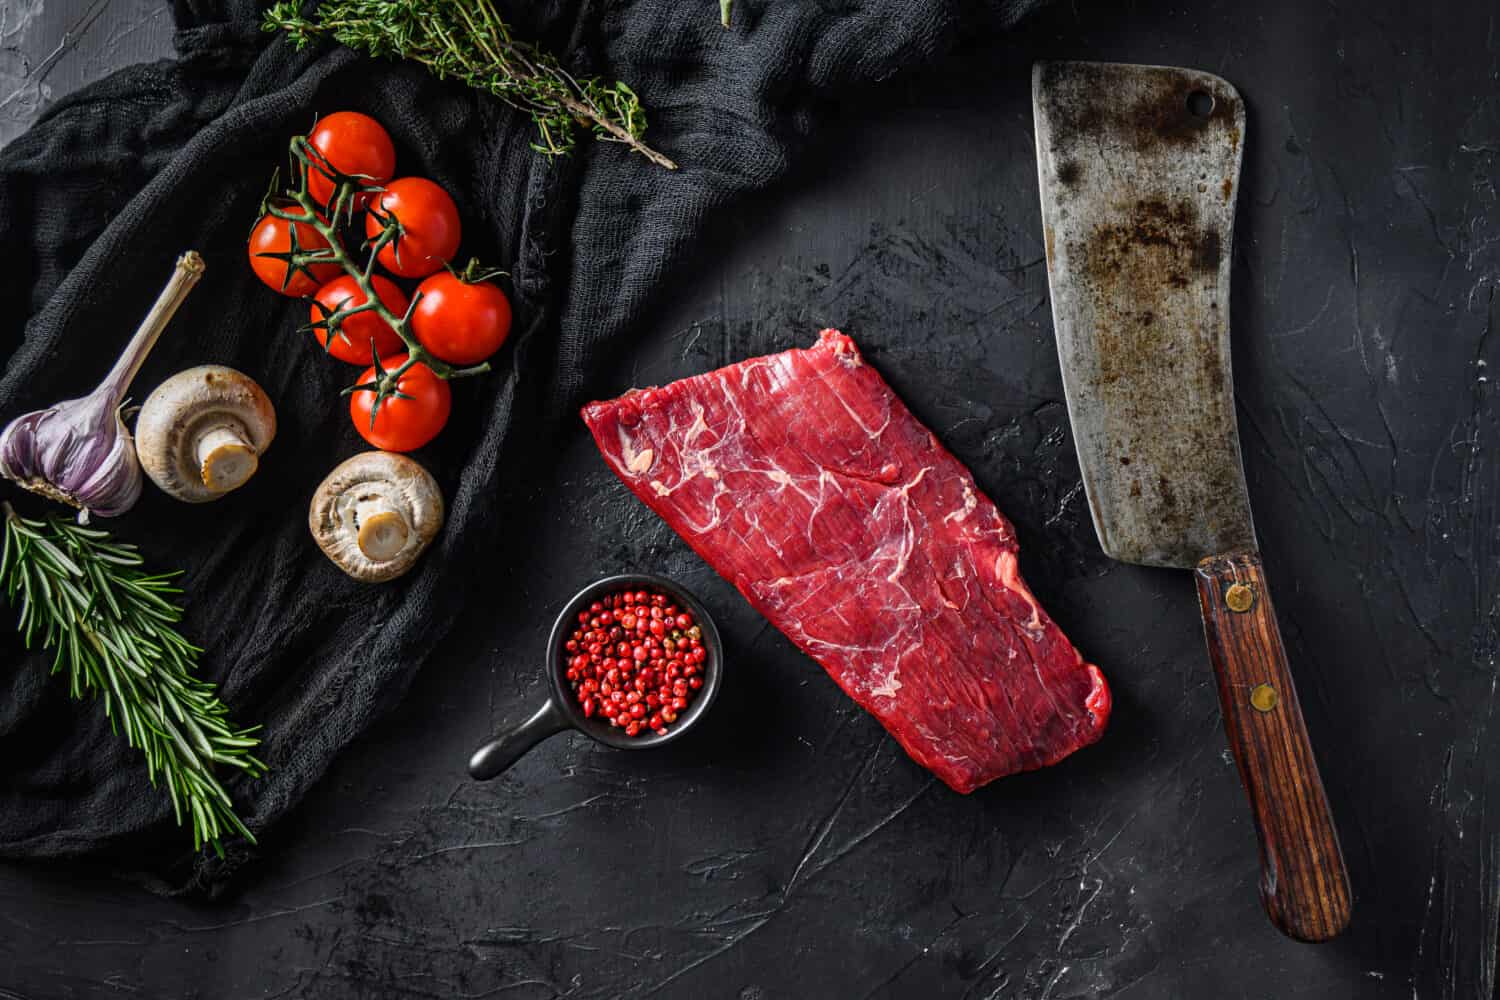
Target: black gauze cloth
point(100, 197)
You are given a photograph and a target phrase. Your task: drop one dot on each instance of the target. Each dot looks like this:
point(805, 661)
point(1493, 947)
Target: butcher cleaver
point(1139, 170)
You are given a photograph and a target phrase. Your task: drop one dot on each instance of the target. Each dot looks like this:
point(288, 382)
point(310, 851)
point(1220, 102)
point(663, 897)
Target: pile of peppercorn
point(636, 659)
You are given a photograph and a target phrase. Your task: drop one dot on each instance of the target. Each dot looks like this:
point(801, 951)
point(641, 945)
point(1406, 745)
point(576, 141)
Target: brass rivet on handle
point(1240, 597)
point(1263, 697)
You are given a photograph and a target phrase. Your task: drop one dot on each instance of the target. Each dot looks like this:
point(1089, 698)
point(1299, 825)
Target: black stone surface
point(789, 849)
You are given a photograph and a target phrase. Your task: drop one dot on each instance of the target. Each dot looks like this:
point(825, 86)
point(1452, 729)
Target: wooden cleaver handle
point(1303, 883)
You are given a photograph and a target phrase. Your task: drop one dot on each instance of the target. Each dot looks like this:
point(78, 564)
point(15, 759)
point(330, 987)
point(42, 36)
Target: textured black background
point(789, 849)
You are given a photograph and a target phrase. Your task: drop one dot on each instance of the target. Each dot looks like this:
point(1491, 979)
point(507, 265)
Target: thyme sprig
point(112, 627)
point(297, 206)
point(467, 40)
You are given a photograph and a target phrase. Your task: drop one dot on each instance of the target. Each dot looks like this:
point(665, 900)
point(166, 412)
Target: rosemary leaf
point(112, 631)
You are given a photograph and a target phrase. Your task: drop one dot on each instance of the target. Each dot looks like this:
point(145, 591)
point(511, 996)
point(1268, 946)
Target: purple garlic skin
point(77, 452)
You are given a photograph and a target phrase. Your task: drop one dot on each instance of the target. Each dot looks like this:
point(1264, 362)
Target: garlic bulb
point(78, 451)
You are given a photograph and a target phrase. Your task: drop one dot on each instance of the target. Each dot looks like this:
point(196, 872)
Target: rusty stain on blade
point(1139, 169)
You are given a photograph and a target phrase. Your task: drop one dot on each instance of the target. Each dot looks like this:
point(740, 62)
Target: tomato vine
point(305, 158)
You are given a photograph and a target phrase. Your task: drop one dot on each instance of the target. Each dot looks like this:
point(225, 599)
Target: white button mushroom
point(375, 514)
point(202, 432)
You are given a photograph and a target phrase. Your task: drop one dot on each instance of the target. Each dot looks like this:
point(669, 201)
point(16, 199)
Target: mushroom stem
point(382, 529)
point(225, 459)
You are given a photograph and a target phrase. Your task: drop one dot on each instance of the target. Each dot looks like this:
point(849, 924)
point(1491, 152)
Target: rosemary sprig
point(468, 40)
point(112, 627)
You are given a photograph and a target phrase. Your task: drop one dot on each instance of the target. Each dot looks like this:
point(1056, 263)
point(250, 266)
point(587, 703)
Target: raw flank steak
point(805, 482)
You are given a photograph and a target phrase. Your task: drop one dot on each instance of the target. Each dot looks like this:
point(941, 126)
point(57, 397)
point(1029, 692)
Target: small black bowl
point(560, 711)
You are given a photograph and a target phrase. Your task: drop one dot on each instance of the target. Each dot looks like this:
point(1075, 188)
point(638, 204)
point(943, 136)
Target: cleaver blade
point(1139, 169)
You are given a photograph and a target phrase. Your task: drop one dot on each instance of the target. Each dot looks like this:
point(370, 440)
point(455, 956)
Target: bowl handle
point(511, 745)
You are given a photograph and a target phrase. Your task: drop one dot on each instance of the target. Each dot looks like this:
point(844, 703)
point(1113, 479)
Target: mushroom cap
point(186, 407)
point(351, 515)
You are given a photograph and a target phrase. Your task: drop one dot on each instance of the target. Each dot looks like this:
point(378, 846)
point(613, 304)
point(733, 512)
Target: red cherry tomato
point(352, 144)
point(270, 249)
point(402, 424)
point(357, 331)
point(429, 226)
point(460, 322)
